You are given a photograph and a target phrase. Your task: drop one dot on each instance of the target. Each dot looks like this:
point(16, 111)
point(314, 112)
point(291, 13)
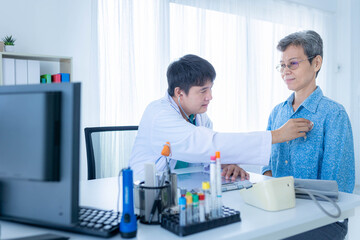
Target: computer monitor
point(39, 153)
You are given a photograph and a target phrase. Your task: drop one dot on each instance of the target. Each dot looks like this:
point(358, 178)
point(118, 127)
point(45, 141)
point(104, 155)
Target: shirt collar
point(311, 102)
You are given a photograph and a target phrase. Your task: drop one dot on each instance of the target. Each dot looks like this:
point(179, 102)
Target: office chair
point(108, 149)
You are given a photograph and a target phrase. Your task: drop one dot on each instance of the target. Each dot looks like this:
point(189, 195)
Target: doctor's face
point(198, 99)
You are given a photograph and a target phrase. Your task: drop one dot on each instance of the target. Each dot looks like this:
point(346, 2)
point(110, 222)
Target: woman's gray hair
point(309, 40)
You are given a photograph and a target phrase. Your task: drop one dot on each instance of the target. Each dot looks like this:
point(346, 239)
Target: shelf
point(35, 57)
point(64, 63)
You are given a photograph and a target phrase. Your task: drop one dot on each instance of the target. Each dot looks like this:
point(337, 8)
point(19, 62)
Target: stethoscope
point(175, 107)
point(192, 121)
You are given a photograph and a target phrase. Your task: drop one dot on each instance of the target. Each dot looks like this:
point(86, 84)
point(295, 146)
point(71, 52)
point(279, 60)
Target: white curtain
point(133, 56)
point(239, 38)
point(132, 36)
point(139, 38)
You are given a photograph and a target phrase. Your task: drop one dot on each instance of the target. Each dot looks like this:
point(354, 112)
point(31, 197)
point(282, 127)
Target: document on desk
point(194, 181)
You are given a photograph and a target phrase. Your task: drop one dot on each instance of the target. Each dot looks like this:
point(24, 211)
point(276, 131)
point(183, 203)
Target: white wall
point(325, 5)
point(57, 27)
point(347, 57)
point(355, 78)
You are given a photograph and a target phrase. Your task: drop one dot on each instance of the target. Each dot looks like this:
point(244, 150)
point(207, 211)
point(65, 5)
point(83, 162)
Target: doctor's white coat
point(162, 122)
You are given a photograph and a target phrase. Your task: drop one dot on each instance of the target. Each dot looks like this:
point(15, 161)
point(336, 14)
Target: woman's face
point(303, 76)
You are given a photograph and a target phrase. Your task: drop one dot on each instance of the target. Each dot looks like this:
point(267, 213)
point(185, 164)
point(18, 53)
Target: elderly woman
point(327, 152)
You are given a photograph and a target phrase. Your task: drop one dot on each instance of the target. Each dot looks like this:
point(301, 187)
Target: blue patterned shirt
point(328, 150)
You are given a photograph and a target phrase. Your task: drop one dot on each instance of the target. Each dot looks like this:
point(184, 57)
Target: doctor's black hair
point(189, 71)
point(309, 40)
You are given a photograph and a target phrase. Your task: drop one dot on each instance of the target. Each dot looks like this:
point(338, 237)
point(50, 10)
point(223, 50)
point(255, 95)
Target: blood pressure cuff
point(314, 189)
point(328, 188)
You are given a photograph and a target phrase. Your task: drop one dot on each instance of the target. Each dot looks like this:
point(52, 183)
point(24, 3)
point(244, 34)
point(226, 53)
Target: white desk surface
point(255, 223)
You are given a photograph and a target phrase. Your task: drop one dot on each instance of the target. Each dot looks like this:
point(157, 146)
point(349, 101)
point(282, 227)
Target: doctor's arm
point(195, 144)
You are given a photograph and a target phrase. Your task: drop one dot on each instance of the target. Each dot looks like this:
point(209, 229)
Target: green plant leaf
point(9, 40)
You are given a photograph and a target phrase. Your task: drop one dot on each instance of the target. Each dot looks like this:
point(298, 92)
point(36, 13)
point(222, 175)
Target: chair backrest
point(108, 149)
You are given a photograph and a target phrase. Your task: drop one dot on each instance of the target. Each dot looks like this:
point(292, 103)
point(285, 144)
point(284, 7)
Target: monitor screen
point(27, 145)
point(39, 153)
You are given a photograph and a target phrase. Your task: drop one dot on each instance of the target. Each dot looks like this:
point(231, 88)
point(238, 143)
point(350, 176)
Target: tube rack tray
point(171, 222)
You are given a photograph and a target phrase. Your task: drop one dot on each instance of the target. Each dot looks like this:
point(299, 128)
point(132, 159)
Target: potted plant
point(9, 42)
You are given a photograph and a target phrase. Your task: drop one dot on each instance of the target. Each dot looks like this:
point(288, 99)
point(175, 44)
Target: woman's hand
point(268, 173)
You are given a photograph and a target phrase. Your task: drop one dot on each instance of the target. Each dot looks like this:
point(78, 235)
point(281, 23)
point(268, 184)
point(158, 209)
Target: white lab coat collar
point(173, 104)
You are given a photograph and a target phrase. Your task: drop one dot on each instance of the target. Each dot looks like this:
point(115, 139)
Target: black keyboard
point(97, 222)
point(92, 221)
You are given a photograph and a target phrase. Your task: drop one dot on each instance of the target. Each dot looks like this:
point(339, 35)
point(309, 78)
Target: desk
point(255, 224)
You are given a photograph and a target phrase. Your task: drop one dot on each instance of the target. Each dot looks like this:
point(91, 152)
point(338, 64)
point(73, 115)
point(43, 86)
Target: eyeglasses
point(292, 65)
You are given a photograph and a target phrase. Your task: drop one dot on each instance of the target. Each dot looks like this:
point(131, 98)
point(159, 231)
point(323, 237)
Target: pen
point(166, 152)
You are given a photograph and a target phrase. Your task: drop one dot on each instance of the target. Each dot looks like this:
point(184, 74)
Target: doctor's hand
point(294, 128)
point(234, 170)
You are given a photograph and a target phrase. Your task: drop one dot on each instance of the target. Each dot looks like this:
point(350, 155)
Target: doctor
point(179, 118)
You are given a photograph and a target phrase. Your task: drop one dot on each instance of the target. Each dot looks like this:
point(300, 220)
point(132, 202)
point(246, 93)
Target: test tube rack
point(171, 222)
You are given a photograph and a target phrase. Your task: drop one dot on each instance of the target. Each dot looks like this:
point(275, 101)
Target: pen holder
point(153, 200)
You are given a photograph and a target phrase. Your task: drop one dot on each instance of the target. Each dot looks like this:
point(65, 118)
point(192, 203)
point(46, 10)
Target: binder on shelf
point(56, 78)
point(21, 72)
point(8, 71)
point(45, 78)
point(33, 71)
point(65, 77)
